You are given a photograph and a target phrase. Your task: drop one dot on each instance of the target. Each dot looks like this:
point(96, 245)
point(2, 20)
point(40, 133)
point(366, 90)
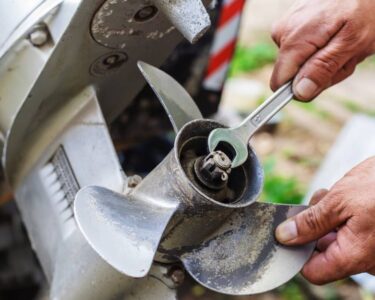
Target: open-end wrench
point(238, 137)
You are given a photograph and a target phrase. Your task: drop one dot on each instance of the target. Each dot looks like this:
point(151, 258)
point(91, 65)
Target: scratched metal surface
point(243, 257)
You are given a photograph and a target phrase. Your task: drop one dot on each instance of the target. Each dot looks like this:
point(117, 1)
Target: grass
point(248, 59)
point(280, 189)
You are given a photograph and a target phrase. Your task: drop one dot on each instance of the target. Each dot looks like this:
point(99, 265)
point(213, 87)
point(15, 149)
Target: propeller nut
point(213, 170)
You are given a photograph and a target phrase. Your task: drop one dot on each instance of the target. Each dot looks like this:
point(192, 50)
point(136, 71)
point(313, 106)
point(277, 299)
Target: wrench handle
point(264, 112)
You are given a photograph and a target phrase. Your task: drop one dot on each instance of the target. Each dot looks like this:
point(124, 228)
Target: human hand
point(343, 221)
point(321, 42)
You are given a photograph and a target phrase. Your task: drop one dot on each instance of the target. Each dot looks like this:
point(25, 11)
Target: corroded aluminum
point(189, 16)
point(115, 26)
point(243, 257)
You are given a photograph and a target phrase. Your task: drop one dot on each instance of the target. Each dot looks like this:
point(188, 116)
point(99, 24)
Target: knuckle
point(350, 27)
point(279, 31)
point(341, 265)
point(335, 202)
point(326, 64)
point(351, 37)
point(276, 32)
point(349, 70)
point(347, 265)
point(312, 219)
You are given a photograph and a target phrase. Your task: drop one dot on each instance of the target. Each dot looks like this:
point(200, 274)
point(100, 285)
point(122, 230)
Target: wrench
point(238, 137)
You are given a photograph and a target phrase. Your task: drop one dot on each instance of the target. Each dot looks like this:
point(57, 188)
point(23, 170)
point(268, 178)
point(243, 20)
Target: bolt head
point(39, 37)
point(133, 181)
point(222, 160)
point(146, 13)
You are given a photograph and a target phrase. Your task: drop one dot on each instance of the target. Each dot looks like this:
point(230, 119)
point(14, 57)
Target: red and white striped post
point(224, 44)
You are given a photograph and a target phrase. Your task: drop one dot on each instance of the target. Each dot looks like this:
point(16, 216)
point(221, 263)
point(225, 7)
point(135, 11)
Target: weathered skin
point(321, 42)
point(342, 219)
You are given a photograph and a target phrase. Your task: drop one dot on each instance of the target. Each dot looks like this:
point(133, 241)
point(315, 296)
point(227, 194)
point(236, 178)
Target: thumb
point(311, 224)
point(318, 71)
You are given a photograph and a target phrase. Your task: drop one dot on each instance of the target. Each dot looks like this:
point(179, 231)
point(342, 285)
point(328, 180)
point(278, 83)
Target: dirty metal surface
point(228, 246)
point(189, 16)
point(232, 190)
point(115, 24)
point(124, 231)
point(78, 51)
point(166, 208)
point(119, 24)
point(243, 257)
point(251, 173)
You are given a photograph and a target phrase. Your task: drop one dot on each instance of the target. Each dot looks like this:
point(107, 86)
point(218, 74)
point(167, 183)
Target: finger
point(325, 241)
point(318, 195)
point(314, 222)
point(330, 265)
point(318, 71)
point(296, 47)
point(347, 70)
point(291, 57)
point(276, 33)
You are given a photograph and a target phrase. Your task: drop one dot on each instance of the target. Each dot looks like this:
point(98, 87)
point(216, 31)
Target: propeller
point(224, 238)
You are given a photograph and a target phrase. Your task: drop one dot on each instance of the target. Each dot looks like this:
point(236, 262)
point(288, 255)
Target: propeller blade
point(190, 17)
point(243, 257)
point(179, 105)
point(124, 230)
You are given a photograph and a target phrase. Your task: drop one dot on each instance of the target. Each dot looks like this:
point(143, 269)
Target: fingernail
point(306, 88)
point(286, 231)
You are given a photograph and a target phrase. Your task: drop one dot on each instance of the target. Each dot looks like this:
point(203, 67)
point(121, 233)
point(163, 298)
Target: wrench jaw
point(240, 150)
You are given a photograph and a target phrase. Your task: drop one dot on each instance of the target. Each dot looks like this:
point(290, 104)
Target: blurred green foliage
point(314, 109)
point(368, 62)
point(291, 291)
point(354, 107)
point(247, 59)
point(278, 188)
